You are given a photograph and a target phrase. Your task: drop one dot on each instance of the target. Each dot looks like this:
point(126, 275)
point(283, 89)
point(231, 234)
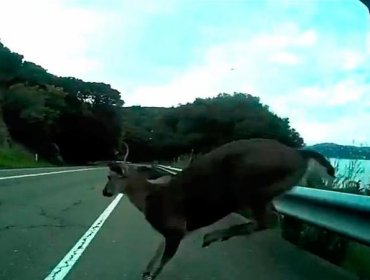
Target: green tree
point(10, 64)
point(163, 133)
point(51, 114)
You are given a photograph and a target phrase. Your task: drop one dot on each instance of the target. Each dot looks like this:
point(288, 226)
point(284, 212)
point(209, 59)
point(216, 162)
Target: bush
point(327, 244)
point(18, 157)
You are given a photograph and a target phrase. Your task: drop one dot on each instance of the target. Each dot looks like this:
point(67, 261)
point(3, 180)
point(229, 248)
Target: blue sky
point(307, 60)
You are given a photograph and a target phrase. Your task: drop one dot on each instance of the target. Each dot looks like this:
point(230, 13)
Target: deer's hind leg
point(262, 219)
point(225, 234)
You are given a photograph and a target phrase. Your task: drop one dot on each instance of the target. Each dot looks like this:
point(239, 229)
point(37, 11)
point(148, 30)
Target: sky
point(308, 60)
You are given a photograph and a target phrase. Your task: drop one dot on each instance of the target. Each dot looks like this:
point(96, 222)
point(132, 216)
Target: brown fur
point(240, 175)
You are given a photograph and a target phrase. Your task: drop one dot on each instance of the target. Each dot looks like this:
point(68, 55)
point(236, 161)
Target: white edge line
point(37, 168)
point(47, 173)
point(65, 265)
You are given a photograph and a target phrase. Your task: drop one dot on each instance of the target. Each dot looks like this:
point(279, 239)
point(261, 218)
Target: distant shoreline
point(332, 150)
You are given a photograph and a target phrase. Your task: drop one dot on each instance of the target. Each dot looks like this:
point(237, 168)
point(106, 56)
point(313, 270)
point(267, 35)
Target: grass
point(357, 260)
point(341, 251)
point(178, 162)
point(19, 157)
point(182, 161)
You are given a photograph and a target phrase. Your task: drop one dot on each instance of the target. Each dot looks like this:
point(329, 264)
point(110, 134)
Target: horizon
point(308, 61)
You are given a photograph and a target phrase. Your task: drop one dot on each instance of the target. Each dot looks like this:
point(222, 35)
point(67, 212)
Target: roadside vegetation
point(19, 157)
point(328, 245)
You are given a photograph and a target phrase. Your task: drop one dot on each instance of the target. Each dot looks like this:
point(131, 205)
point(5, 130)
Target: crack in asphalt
point(60, 222)
point(74, 253)
point(74, 204)
point(48, 216)
point(8, 227)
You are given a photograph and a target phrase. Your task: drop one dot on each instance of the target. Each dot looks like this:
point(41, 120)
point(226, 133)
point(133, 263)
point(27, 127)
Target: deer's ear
point(117, 168)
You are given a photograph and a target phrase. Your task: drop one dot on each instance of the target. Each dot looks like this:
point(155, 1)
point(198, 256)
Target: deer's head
point(123, 178)
point(319, 170)
point(118, 174)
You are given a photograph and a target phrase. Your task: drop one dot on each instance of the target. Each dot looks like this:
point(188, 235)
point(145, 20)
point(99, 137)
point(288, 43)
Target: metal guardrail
point(169, 169)
point(343, 213)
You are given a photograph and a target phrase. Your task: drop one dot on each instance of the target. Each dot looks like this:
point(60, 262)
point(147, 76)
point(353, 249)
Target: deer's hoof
point(208, 239)
point(205, 244)
point(225, 238)
point(147, 276)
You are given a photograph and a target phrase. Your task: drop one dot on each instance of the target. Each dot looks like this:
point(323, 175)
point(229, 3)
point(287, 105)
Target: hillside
point(333, 150)
point(63, 119)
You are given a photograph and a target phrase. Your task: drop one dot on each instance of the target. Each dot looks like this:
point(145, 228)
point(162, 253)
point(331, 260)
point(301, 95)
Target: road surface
point(45, 212)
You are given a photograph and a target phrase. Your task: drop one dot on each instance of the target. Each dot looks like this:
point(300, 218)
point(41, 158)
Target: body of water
point(345, 165)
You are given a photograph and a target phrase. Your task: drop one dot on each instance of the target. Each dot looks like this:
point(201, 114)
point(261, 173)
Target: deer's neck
point(138, 199)
point(137, 191)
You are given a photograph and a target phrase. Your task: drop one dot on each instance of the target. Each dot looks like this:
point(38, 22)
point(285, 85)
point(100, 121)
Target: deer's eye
point(109, 177)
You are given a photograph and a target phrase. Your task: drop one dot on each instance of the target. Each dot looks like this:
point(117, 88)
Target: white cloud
point(338, 112)
point(70, 39)
point(286, 58)
point(352, 60)
point(345, 130)
point(348, 91)
point(52, 34)
point(307, 38)
point(248, 65)
point(243, 66)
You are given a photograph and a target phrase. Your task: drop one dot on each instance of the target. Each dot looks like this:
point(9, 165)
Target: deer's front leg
point(171, 244)
point(158, 253)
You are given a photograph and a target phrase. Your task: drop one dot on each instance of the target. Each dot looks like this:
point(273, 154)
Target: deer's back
point(237, 175)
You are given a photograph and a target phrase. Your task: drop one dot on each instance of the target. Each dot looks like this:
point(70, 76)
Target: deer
point(246, 174)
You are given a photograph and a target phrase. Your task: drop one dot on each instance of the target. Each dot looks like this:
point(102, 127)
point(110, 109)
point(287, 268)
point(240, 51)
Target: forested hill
point(332, 150)
point(48, 114)
point(202, 125)
point(65, 119)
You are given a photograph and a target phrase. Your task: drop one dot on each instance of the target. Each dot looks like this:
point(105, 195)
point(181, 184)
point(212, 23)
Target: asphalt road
point(42, 217)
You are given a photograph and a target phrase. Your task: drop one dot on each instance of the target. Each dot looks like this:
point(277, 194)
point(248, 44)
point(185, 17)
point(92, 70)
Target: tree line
point(58, 117)
point(68, 120)
point(162, 133)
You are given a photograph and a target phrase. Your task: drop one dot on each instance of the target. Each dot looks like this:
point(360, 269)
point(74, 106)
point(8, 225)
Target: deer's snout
point(105, 193)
